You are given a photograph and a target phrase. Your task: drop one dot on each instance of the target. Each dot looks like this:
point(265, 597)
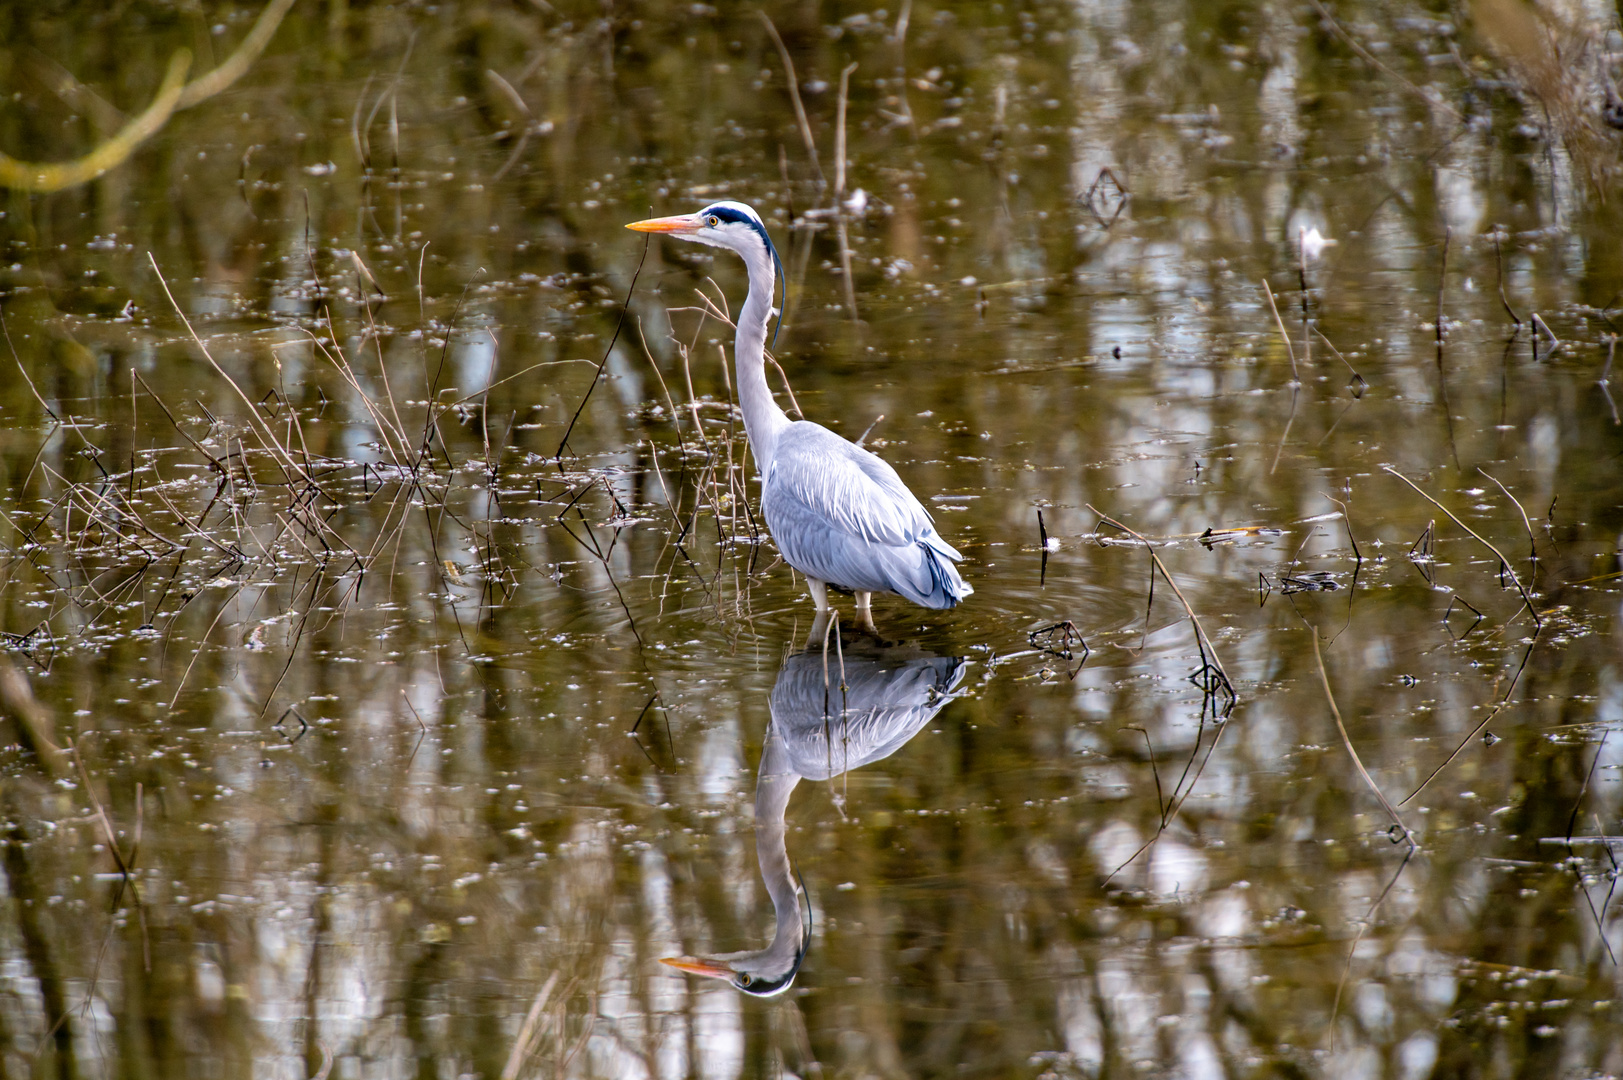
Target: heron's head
point(757, 974)
point(731, 225)
point(726, 224)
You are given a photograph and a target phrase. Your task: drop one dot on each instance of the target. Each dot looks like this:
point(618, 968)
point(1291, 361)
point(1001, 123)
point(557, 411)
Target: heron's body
point(839, 513)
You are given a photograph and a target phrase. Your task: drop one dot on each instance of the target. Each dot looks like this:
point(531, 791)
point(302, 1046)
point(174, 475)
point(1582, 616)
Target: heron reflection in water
point(819, 730)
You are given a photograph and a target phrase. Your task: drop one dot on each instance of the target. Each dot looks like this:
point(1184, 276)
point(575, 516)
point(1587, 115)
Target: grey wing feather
point(840, 514)
point(852, 488)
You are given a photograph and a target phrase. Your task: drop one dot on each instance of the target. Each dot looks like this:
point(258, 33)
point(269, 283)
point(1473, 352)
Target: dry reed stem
point(903, 19)
point(1202, 639)
point(1346, 740)
point(1283, 335)
point(1532, 546)
point(80, 491)
point(1482, 726)
point(790, 390)
point(1504, 563)
point(266, 437)
point(839, 130)
point(390, 435)
point(839, 191)
point(212, 460)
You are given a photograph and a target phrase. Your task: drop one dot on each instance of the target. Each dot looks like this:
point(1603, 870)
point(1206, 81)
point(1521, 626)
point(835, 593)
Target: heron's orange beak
point(708, 968)
point(681, 223)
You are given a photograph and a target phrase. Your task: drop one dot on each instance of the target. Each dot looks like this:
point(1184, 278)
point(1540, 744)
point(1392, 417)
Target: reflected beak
point(708, 968)
point(681, 223)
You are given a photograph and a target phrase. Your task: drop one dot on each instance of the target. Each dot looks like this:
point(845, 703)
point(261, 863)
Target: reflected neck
point(774, 784)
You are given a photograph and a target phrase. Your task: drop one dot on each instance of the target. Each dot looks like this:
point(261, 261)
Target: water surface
point(410, 718)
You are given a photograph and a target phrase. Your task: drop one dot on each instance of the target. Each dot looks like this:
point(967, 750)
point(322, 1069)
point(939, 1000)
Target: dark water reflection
point(422, 744)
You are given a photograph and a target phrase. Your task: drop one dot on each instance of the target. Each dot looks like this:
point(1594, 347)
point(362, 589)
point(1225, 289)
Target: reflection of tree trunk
point(1228, 1007)
point(1514, 930)
point(327, 816)
point(20, 885)
point(416, 998)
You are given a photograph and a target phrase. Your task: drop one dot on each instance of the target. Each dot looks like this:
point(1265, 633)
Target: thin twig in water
point(1532, 547)
point(31, 388)
point(1324, 680)
point(793, 404)
point(1600, 927)
point(1162, 806)
point(1486, 720)
point(1540, 325)
point(1283, 336)
point(1217, 689)
point(1357, 383)
point(1499, 261)
point(1504, 563)
point(557, 456)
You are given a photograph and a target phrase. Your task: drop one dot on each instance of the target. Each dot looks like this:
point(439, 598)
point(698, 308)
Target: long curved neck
point(763, 420)
point(773, 785)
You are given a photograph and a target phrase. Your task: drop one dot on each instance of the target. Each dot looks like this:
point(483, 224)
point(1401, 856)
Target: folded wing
point(840, 514)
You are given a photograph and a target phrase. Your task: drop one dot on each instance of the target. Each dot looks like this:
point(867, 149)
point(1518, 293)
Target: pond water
point(397, 668)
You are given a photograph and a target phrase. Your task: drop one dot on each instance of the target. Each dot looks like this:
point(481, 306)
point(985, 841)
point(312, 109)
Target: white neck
point(763, 420)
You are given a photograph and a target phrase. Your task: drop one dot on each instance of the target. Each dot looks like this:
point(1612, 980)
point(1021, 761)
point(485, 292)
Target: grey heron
point(825, 721)
point(838, 513)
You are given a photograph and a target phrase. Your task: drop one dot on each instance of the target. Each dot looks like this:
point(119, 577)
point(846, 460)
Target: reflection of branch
point(34, 176)
point(794, 96)
point(236, 65)
point(174, 94)
point(1215, 687)
point(1369, 58)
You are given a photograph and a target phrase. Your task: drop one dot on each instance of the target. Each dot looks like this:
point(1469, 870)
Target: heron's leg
point(865, 612)
point(819, 591)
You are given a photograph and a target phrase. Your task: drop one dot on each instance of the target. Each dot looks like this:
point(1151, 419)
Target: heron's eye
point(714, 222)
point(745, 978)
